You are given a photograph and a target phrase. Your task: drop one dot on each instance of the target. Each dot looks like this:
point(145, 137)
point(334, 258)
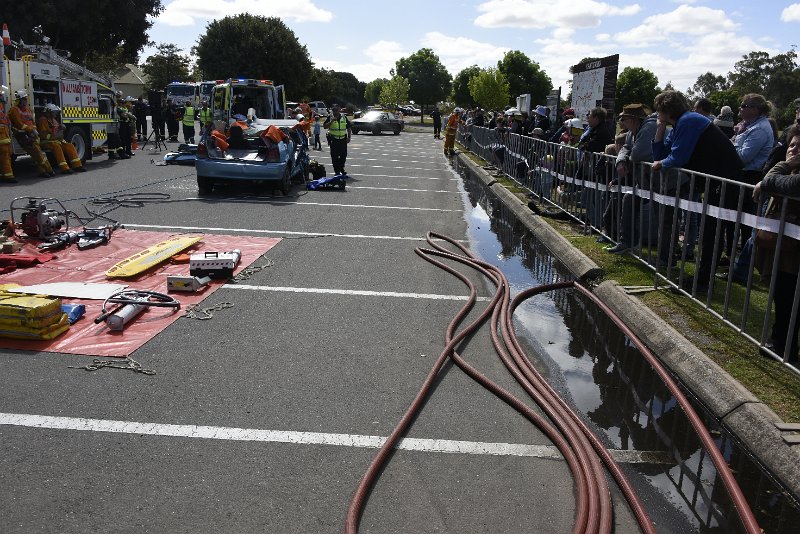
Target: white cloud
point(539, 14)
point(791, 13)
point(683, 20)
point(602, 37)
point(189, 12)
point(385, 52)
point(458, 53)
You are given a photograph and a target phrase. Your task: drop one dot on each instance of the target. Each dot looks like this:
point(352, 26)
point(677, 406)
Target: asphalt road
point(292, 380)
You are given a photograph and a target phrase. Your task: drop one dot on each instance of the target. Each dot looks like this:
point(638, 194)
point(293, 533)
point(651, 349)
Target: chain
point(247, 272)
point(128, 364)
point(196, 312)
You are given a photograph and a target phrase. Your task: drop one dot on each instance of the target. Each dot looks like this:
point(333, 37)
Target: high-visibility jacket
point(5, 132)
point(47, 130)
point(338, 128)
point(21, 119)
point(205, 115)
point(188, 116)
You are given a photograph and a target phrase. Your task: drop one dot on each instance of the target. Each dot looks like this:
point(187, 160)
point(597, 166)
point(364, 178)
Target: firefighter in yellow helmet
point(24, 129)
point(6, 172)
point(51, 135)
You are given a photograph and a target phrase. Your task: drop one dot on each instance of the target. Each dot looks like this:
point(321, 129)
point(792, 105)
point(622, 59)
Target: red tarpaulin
point(73, 265)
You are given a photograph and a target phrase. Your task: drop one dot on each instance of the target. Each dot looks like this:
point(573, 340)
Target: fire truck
point(181, 93)
point(86, 99)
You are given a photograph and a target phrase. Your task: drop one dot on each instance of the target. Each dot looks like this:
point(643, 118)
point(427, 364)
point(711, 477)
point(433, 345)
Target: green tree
point(429, 82)
point(346, 89)
point(524, 76)
point(461, 95)
point(489, 88)
point(726, 97)
point(372, 91)
point(166, 66)
point(251, 46)
point(635, 85)
point(709, 83)
point(91, 30)
point(395, 92)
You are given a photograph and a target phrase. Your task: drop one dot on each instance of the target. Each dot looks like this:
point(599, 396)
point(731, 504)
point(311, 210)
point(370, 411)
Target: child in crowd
point(317, 125)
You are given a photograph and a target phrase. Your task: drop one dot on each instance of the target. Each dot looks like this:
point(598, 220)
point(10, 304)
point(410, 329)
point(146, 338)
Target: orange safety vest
point(5, 134)
point(21, 119)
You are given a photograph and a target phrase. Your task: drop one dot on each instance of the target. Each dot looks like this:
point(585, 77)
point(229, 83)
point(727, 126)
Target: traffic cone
point(134, 144)
point(6, 35)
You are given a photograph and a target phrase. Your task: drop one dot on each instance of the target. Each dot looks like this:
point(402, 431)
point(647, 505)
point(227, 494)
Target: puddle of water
point(605, 377)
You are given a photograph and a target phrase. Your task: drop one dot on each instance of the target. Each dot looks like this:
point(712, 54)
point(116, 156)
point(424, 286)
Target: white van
point(319, 107)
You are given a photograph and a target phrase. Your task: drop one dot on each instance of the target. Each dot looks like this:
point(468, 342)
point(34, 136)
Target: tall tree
point(166, 66)
point(461, 95)
point(372, 91)
point(395, 92)
point(489, 88)
point(709, 83)
point(524, 76)
point(90, 30)
point(347, 89)
point(636, 85)
point(429, 82)
point(251, 46)
point(726, 97)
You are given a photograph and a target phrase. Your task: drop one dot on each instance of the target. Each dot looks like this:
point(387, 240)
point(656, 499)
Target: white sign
point(78, 93)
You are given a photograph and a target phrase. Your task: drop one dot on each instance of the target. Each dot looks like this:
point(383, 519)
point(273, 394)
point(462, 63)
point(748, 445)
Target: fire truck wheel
point(77, 137)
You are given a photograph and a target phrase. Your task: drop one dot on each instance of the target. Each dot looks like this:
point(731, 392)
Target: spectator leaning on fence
point(637, 148)
point(783, 180)
point(695, 144)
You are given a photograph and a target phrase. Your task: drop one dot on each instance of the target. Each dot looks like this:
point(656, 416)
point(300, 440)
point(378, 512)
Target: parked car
point(377, 122)
point(411, 109)
point(276, 166)
point(319, 107)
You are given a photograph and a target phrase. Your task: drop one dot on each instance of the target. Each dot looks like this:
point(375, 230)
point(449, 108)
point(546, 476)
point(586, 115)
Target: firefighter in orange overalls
point(6, 172)
point(51, 138)
point(24, 129)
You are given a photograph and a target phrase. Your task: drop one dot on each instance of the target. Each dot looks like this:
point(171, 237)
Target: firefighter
point(6, 172)
point(51, 133)
point(188, 123)
point(24, 129)
point(125, 118)
point(172, 114)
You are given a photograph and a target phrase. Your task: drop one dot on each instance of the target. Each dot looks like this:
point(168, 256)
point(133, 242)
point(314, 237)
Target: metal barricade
point(684, 225)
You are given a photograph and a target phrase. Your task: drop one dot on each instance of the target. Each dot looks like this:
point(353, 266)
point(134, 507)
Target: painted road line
point(275, 232)
point(402, 189)
point(305, 438)
point(329, 204)
point(403, 176)
point(279, 289)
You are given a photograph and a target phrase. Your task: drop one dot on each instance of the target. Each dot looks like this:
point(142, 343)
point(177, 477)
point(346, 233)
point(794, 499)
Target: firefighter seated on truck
point(6, 172)
point(51, 136)
point(24, 129)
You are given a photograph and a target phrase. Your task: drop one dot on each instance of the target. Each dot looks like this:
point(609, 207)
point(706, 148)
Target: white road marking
point(299, 438)
point(336, 204)
point(275, 232)
point(403, 177)
point(279, 289)
point(401, 189)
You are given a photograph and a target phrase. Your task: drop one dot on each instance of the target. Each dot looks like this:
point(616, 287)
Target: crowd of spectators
point(651, 146)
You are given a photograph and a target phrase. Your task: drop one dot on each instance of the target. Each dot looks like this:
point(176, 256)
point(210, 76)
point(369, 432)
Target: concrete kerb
point(752, 422)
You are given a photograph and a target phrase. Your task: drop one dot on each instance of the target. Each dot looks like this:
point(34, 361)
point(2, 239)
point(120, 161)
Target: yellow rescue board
point(152, 256)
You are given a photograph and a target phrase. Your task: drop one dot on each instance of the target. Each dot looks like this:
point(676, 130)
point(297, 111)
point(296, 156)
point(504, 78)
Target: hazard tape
point(99, 134)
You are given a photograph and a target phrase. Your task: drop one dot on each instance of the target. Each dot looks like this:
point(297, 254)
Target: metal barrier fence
point(686, 226)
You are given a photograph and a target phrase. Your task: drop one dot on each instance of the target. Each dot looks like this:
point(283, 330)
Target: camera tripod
point(158, 141)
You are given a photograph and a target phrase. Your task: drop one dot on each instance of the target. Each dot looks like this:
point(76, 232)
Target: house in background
point(131, 81)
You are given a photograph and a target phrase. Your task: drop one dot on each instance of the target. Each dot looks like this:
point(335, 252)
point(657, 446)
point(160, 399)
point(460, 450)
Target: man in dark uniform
point(173, 113)
point(437, 123)
point(140, 110)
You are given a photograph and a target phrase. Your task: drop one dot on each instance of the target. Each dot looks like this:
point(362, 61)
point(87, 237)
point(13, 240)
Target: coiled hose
point(581, 448)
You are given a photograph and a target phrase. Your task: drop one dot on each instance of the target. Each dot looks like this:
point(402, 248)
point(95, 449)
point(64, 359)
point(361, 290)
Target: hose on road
point(583, 451)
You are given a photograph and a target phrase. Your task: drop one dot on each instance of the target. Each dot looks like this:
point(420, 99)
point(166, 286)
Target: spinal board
point(151, 256)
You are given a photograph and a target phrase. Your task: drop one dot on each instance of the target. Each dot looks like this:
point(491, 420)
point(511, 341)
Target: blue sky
point(678, 40)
